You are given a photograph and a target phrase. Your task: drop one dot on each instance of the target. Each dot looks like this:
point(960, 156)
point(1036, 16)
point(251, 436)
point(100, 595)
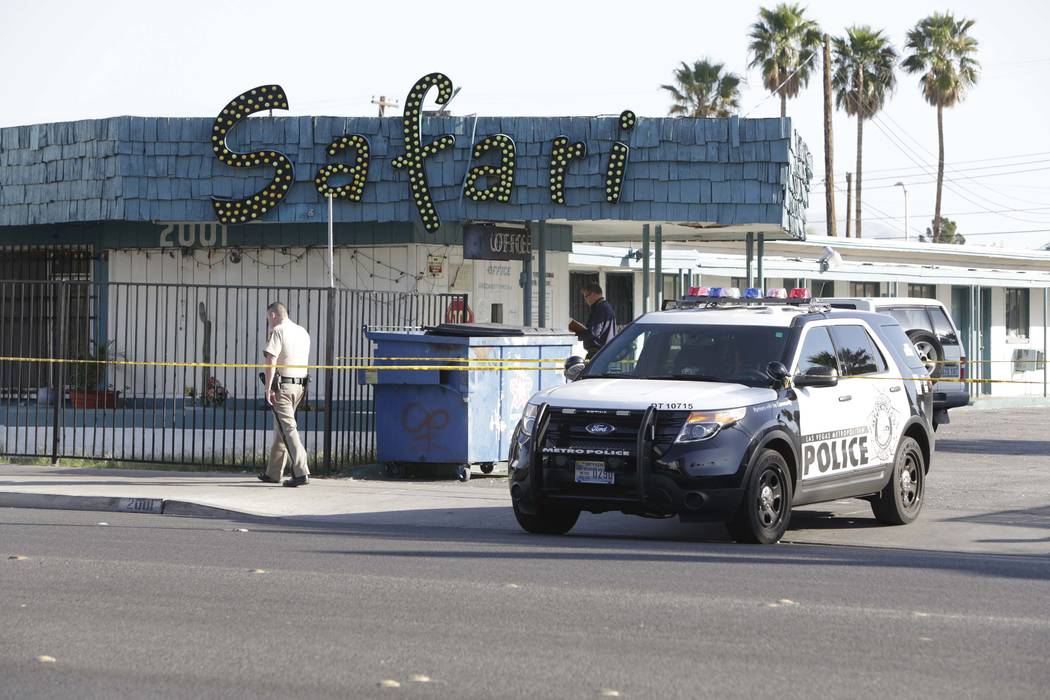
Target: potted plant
point(87, 380)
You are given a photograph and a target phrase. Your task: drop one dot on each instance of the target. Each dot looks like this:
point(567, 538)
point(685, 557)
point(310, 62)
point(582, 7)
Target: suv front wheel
point(764, 514)
point(546, 520)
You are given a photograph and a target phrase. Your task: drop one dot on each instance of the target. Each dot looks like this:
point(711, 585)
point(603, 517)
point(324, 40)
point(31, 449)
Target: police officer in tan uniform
point(288, 343)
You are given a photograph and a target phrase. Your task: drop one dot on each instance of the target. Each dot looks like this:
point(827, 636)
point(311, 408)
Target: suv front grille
point(569, 431)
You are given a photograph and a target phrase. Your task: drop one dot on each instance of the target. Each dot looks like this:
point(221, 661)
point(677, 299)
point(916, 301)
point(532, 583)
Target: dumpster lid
point(487, 330)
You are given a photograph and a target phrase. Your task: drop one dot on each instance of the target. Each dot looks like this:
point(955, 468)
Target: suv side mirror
point(574, 367)
point(777, 371)
point(817, 377)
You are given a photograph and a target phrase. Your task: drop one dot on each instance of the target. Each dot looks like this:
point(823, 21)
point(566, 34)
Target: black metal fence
point(137, 400)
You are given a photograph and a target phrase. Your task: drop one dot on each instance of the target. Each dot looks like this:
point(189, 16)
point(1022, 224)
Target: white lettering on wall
point(189, 234)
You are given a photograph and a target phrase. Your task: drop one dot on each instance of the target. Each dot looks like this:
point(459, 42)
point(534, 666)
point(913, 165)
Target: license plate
point(593, 473)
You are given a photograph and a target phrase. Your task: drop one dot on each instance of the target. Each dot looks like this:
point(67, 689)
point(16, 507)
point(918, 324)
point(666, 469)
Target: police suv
point(731, 409)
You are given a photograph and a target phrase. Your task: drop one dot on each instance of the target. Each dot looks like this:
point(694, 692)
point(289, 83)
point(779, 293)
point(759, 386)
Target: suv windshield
point(737, 354)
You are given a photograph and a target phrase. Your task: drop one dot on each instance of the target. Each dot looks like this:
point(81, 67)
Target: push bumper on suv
point(650, 473)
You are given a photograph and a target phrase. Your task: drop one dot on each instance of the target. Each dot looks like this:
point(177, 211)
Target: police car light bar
point(719, 296)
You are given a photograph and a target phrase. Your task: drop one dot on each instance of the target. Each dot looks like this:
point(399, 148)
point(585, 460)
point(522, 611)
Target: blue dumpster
point(457, 417)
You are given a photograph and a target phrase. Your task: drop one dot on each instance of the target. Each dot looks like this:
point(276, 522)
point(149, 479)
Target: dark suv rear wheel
point(901, 501)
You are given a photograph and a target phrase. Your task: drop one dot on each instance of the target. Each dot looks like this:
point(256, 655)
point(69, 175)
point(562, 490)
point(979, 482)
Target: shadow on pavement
point(1039, 448)
point(1023, 517)
point(690, 544)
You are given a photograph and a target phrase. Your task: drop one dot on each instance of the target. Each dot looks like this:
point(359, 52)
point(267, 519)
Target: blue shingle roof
point(734, 171)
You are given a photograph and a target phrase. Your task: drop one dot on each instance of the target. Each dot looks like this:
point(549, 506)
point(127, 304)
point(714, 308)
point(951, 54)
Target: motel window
point(670, 287)
point(922, 291)
point(822, 289)
point(864, 289)
point(1017, 313)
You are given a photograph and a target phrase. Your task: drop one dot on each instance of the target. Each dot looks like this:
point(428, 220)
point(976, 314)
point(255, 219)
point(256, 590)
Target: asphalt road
point(171, 607)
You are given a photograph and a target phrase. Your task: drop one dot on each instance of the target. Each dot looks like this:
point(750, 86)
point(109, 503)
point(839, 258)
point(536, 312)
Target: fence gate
point(141, 401)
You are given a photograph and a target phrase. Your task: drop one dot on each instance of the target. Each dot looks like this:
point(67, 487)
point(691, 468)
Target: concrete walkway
point(482, 504)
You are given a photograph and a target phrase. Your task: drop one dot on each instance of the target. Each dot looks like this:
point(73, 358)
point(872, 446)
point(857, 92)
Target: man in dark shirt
point(601, 323)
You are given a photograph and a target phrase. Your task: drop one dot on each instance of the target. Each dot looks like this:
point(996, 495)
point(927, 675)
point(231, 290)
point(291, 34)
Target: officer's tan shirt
point(290, 344)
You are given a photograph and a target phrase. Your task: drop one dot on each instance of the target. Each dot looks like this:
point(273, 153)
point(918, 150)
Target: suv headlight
point(528, 419)
point(704, 425)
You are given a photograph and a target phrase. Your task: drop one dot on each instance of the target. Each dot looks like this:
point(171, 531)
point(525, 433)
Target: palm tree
point(704, 90)
point(863, 78)
point(944, 54)
point(783, 46)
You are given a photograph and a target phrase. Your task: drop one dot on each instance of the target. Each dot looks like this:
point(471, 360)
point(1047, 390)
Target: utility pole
point(829, 158)
point(849, 200)
point(383, 103)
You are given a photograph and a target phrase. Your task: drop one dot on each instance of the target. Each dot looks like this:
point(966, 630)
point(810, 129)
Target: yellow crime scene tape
point(253, 365)
point(984, 362)
point(486, 360)
point(425, 367)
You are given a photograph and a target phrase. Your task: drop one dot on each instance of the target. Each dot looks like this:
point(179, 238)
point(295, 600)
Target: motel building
point(510, 215)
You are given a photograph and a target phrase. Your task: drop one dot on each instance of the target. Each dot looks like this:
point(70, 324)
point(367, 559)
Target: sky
point(79, 59)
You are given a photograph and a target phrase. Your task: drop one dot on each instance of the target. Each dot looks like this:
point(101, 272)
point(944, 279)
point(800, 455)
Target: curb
point(113, 504)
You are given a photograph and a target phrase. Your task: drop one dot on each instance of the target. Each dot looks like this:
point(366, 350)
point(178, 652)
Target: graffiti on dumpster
point(425, 426)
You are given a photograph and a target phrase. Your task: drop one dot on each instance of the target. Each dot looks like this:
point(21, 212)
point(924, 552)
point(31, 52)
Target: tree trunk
point(860, 164)
point(940, 173)
point(783, 105)
point(860, 145)
point(829, 158)
point(849, 202)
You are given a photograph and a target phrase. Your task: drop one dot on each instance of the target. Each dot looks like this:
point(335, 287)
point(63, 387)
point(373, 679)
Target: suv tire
point(930, 350)
point(547, 520)
point(901, 500)
point(766, 510)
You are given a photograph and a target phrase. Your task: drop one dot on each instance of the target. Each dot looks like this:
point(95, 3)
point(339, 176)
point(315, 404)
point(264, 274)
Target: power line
point(958, 190)
point(991, 233)
point(782, 83)
point(956, 179)
point(953, 170)
point(899, 176)
point(902, 170)
point(943, 214)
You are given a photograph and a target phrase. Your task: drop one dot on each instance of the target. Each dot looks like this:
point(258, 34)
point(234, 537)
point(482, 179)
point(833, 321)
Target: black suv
point(732, 413)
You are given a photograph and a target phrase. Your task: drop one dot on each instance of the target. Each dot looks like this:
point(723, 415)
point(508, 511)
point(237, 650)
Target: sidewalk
point(218, 494)
point(481, 505)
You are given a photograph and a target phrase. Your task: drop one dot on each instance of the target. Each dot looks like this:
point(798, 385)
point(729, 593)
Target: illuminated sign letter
point(239, 211)
point(561, 153)
point(500, 179)
point(358, 172)
point(416, 152)
point(618, 160)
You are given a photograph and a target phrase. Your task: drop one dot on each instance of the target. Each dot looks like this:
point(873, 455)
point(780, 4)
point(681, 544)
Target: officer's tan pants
point(284, 403)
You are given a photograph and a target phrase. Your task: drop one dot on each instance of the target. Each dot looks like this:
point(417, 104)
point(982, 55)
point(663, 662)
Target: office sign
point(486, 242)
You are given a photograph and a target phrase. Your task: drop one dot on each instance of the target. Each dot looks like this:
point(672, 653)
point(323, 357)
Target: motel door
point(619, 291)
point(578, 309)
